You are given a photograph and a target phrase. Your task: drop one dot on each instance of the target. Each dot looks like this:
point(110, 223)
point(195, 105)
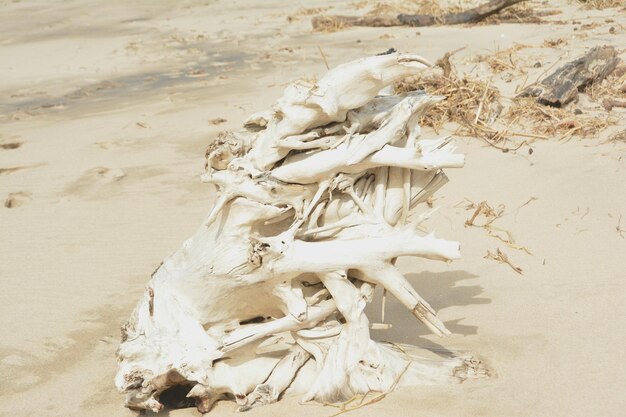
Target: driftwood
point(317, 198)
point(468, 16)
point(475, 14)
point(563, 85)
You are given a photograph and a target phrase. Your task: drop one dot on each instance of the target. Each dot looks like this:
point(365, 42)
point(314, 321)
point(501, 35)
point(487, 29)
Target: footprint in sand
point(17, 199)
point(96, 182)
point(7, 146)
point(10, 145)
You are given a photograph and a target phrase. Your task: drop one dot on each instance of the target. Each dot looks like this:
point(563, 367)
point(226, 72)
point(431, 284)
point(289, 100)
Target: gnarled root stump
point(317, 198)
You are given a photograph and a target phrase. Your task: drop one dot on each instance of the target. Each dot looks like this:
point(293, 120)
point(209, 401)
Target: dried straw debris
point(600, 4)
point(504, 60)
point(469, 102)
point(561, 123)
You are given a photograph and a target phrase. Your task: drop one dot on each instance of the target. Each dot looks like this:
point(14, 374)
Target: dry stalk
point(503, 60)
point(484, 209)
point(464, 96)
point(301, 12)
point(612, 87)
point(503, 258)
point(424, 7)
point(489, 215)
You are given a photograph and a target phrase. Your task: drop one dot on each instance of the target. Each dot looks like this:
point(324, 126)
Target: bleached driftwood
point(317, 199)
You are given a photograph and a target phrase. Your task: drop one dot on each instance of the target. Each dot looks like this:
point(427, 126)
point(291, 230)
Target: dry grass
point(468, 102)
point(555, 43)
point(485, 215)
point(519, 13)
point(503, 258)
point(504, 60)
point(471, 105)
point(388, 8)
point(613, 86)
point(303, 12)
point(600, 4)
point(430, 7)
point(310, 11)
point(474, 106)
point(618, 137)
point(560, 123)
point(329, 24)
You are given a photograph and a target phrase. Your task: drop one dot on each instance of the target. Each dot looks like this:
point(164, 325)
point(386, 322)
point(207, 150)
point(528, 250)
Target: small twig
point(482, 100)
point(323, 57)
point(531, 199)
point(509, 241)
point(382, 307)
point(528, 135)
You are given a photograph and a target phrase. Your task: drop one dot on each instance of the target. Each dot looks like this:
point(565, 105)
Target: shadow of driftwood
point(441, 290)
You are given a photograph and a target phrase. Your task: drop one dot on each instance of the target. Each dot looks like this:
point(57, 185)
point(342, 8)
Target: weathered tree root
point(317, 200)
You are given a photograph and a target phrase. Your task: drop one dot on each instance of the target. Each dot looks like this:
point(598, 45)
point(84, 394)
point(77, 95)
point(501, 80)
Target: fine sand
point(106, 110)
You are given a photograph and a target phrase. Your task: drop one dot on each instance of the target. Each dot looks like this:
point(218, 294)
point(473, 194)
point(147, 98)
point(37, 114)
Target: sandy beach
point(106, 110)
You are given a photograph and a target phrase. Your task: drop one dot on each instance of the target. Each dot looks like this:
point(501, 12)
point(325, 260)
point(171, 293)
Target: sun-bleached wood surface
point(317, 199)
